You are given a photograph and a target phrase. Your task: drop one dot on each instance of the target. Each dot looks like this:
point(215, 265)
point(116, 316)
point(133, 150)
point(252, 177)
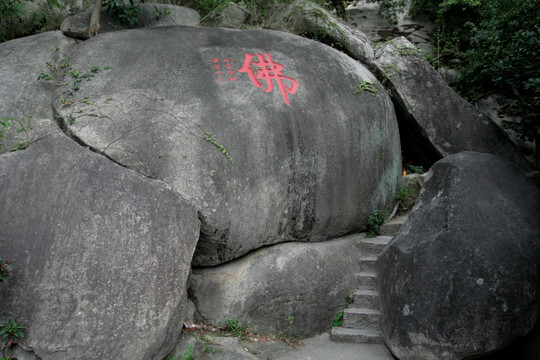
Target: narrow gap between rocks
point(60, 121)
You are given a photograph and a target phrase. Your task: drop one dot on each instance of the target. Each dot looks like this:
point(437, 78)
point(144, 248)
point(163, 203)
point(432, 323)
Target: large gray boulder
point(306, 281)
point(297, 156)
point(233, 16)
point(461, 277)
point(78, 25)
point(101, 254)
point(434, 119)
point(307, 18)
point(23, 96)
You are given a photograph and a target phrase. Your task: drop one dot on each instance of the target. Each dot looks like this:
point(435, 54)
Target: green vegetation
point(208, 342)
point(323, 32)
point(405, 193)
point(503, 56)
point(337, 320)
point(11, 329)
point(76, 75)
point(160, 13)
point(238, 330)
point(288, 335)
point(209, 8)
point(126, 14)
point(495, 45)
point(406, 198)
point(220, 147)
point(188, 355)
point(416, 169)
point(6, 270)
point(367, 86)
point(376, 219)
point(17, 132)
point(262, 12)
point(14, 22)
point(389, 71)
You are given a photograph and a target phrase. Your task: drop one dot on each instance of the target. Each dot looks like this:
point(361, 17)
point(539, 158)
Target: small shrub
point(188, 355)
point(126, 14)
point(161, 13)
point(337, 320)
point(238, 330)
point(376, 219)
point(417, 169)
point(288, 335)
point(405, 193)
point(209, 8)
point(16, 131)
point(367, 86)
point(6, 270)
point(11, 329)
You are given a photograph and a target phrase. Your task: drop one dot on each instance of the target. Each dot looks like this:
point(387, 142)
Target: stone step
point(368, 263)
point(391, 227)
point(356, 335)
point(374, 246)
point(368, 299)
point(366, 280)
point(360, 318)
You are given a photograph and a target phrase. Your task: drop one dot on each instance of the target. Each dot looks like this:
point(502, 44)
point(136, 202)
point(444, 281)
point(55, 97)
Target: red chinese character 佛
point(268, 71)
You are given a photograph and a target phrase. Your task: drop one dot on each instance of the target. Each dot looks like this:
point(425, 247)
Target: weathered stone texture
point(101, 254)
point(304, 280)
point(310, 163)
point(434, 121)
point(461, 277)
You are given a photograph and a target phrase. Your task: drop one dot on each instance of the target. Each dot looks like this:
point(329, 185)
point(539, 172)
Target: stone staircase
point(361, 321)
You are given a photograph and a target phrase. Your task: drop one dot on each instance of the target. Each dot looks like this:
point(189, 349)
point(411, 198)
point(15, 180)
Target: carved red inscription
point(268, 70)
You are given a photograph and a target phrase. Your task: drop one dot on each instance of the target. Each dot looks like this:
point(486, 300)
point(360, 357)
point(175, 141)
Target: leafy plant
point(234, 326)
point(88, 102)
point(337, 320)
point(367, 86)
point(389, 71)
point(220, 147)
point(207, 343)
point(6, 270)
point(503, 57)
point(417, 169)
point(405, 193)
point(11, 329)
point(44, 76)
point(288, 335)
point(19, 129)
point(406, 50)
point(375, 220)
point(126, 14)
point(10, 13)
point(161, 13)
point(188, 354)
point(209, 8)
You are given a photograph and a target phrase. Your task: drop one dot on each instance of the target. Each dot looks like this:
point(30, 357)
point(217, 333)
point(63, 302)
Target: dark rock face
point(526, 348)
point(304, 280)
point(310, 158)
point(461, 277)
point(434, 120)
point(101, 254)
